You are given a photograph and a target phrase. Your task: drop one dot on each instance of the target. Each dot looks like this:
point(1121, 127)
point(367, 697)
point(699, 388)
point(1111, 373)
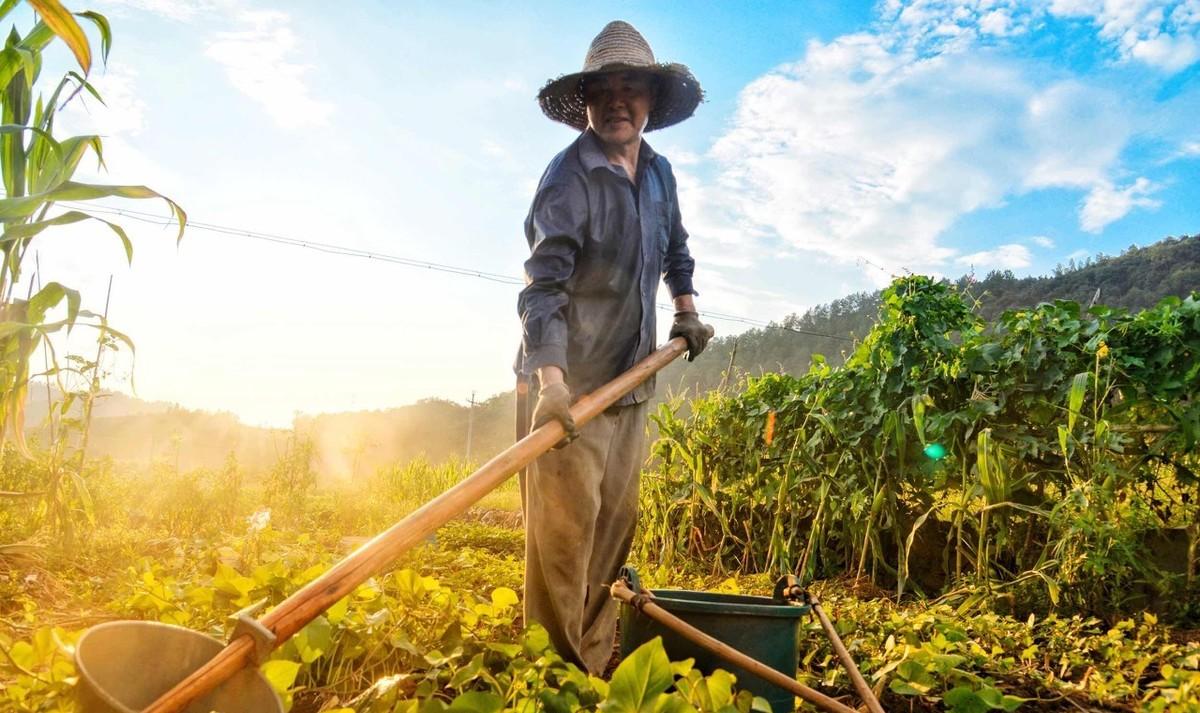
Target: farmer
point(603, 229)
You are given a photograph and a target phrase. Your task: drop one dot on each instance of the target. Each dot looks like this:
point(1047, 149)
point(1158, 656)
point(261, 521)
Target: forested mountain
point(1137, 278)
point(354, 444)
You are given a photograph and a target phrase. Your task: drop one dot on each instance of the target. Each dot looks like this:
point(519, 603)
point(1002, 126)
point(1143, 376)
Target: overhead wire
point(346, 251)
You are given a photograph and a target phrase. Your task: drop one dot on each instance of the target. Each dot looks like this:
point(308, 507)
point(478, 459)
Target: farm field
point(995, 492)
point(1049, 581)
point(443, 627)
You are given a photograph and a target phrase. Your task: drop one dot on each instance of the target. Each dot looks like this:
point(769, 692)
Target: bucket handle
point(630, 575)
point(788, 589)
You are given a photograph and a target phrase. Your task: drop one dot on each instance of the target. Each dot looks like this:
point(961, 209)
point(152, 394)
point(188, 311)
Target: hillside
point(1137, 278)
point(349, 445)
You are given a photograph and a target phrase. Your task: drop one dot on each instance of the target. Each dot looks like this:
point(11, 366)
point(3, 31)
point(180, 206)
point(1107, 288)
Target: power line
point(332, 249)
point(300, 243)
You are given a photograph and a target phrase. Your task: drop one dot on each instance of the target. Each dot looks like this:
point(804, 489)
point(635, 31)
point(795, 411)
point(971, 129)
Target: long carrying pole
point(296, 611)
point(647, 606)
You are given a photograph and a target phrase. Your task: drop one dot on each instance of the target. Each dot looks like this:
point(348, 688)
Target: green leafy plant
point(1068, 444)
point(38, 174)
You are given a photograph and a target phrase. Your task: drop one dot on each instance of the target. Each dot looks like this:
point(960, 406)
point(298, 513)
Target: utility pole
point(470, 424)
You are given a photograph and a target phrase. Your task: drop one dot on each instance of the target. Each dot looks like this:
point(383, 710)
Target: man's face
point(618, 105)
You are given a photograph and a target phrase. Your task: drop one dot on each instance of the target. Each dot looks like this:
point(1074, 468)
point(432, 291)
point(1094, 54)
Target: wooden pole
point(647, 606)
point(856, 677)
point(296, 611)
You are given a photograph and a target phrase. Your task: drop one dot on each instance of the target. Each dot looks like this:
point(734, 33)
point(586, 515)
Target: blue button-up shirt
point(599, 245)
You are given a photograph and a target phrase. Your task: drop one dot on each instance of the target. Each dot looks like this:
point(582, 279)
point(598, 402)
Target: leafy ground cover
point(443, 631)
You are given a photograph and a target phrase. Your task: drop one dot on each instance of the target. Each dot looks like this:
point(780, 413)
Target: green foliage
point(1136, 279)
point(292, 477)
point(1071, 442)
point(409, 641)
point(418, 480)
point(442, 629)
point(37, 170)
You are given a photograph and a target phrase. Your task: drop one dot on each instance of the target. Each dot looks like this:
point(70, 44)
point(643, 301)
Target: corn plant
point(38, 169)
point(1065, 442)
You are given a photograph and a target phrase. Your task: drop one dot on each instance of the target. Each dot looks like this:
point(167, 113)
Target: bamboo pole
point(296, 611)
point(647, 606)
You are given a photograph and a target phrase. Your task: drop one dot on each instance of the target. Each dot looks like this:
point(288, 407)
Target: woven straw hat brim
point(678, 95)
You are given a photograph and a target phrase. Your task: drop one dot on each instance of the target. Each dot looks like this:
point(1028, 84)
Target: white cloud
point(179, 10)
point(863, 150)
point(1004, 257)
point(1161, 34)
point(996, 22)
point(118, 121)
point(123, 110)
point(1169, 53)
point(938, 26)
point(682, 157)
point(716, 232)
point(1042, 241)
point(1106, 203)
point(258, 61)
point(1076, 132)
point(494, 149)
point(872, 145)
point(727, 294)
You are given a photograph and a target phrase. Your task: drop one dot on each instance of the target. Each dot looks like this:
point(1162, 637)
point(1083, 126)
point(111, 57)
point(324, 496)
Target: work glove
point(687, 325)
point(554, 404)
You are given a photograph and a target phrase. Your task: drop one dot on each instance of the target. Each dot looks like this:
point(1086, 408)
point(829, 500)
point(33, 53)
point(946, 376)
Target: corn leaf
point(22, 231)
point(38, 37)
point(18, 129)
point(60, 20)
point(7, 7)
point(25, 206)
point(101, 23)
point(1075, 398)
point(48, 298)
point(11, 63)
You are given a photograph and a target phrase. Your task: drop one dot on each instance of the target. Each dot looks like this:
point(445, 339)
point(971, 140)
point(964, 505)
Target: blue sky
point(840, 143)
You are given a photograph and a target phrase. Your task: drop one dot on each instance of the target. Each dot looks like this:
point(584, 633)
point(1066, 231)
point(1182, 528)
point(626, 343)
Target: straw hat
point(620, 47)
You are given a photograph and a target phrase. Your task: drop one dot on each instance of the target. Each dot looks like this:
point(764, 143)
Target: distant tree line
point(1136, 279)
point(354, 444)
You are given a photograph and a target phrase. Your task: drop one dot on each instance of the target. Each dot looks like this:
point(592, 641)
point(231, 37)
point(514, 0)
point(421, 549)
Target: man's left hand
point(687, 325)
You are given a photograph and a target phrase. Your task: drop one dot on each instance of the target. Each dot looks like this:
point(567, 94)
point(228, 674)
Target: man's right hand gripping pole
point(554, 404)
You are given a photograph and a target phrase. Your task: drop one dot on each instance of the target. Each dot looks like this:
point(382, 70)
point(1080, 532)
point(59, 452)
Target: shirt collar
point(592, 157)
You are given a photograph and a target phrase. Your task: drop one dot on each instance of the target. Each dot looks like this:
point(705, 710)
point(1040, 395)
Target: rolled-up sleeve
point(555, 228)
point(678, 265)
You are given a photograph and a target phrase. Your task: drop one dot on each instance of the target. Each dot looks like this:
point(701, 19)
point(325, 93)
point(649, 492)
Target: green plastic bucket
point(125, 666)
point(759, 627)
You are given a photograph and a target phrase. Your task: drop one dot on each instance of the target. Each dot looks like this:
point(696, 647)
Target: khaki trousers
point(580, 506)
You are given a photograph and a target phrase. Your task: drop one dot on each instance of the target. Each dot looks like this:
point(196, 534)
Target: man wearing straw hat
point(603, 229)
